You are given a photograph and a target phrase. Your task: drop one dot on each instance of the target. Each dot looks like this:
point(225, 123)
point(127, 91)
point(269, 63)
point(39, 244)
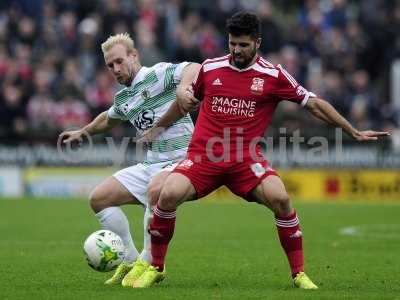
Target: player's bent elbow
point(315, 105)
point(312, 103)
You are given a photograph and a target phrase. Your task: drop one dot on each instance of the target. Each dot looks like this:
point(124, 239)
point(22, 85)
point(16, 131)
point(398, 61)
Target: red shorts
point(240, 177)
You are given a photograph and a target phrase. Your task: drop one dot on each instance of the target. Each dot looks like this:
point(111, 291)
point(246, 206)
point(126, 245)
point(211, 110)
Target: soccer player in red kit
point(239, 94)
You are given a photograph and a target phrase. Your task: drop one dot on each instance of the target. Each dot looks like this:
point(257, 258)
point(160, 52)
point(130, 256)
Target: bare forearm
point(172, 115)
point(100, 124)
point(327, 113)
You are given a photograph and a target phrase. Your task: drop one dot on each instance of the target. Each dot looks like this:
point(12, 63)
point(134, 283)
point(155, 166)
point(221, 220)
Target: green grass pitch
point(226, 250)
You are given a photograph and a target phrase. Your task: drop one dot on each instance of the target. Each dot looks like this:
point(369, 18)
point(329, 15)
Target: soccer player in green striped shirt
point(149, 92)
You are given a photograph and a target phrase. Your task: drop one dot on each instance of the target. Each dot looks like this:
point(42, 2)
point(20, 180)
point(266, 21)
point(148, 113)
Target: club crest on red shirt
point(257, 86)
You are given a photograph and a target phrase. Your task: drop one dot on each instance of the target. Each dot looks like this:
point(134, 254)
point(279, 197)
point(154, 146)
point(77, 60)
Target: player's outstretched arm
point(326, 112)
point(102, 123)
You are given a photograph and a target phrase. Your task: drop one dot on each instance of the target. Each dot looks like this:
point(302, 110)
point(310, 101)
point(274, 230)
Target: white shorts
point(136, 178)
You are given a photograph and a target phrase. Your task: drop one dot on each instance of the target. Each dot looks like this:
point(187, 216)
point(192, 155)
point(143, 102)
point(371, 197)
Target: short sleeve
point(114, 113)
point(172, 74)
point(198, 84)
point(287, 88)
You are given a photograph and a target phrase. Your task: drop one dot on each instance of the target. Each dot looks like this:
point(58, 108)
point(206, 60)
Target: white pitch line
point(351, 230)
point(373, 231)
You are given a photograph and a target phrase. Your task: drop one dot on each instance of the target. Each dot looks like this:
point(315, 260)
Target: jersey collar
point(139, 76)
point(243, 70)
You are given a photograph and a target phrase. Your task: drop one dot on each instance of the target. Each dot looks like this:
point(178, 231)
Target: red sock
point(291, 239)
point(161, 230)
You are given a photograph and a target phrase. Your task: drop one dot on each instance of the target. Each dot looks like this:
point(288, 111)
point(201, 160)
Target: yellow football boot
point(119, 274)
point(303, 282)
point(139, 267)
point(149, 278)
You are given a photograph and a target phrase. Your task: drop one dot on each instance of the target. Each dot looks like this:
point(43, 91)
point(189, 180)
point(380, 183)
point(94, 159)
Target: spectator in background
point(187, 38)
point(113, 13)
point(334, 49)
point(12, 114)
point(40, 113)
point(290, 59)
point(23, 60)
point(209, 42)
point(88, 30)
point(334, 88)
point(71, 81)
point(167, 36)
point(145, 38)
point(68, 35)
point(364, 104)
point(26, 33)
point(71, 113)
point(359, 113)
point(100, 93)
point(40, 106)
point(270, 31)
point(357, 46)
point(337, 14)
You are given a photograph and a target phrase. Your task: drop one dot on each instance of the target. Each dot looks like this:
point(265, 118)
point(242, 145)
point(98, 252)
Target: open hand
point(370, 135)
point(72, 136)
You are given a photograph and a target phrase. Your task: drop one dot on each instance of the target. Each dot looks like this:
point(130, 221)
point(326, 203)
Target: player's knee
point(97, 201)
point(281, 204)
point(169, 198)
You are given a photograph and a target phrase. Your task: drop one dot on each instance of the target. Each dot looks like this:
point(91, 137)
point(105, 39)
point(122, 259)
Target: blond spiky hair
point(120, 38)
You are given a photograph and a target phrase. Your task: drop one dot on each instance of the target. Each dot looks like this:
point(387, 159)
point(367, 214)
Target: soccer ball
point(104, 250)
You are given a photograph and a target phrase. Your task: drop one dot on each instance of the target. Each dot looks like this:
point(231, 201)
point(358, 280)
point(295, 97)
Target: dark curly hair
point(243, 23)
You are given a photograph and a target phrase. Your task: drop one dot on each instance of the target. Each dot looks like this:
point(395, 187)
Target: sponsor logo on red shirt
point(233, 106)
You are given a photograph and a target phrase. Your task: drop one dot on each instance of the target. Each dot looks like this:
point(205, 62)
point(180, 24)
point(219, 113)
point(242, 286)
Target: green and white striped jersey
point(148, 98)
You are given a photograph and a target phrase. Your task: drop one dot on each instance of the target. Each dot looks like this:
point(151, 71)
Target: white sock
point(114, 219)
point(146, 252)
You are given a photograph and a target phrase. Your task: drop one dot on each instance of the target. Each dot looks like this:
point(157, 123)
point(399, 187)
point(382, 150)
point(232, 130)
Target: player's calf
point(272, 193)
point(177, 188)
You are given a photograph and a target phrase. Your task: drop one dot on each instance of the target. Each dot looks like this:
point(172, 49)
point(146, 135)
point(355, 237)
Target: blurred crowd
point(53, 77)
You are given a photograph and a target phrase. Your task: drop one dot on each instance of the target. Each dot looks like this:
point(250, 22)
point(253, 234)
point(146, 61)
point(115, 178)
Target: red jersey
point(239, 103)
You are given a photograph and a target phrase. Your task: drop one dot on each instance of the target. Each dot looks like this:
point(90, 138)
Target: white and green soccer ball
point(104, 250)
